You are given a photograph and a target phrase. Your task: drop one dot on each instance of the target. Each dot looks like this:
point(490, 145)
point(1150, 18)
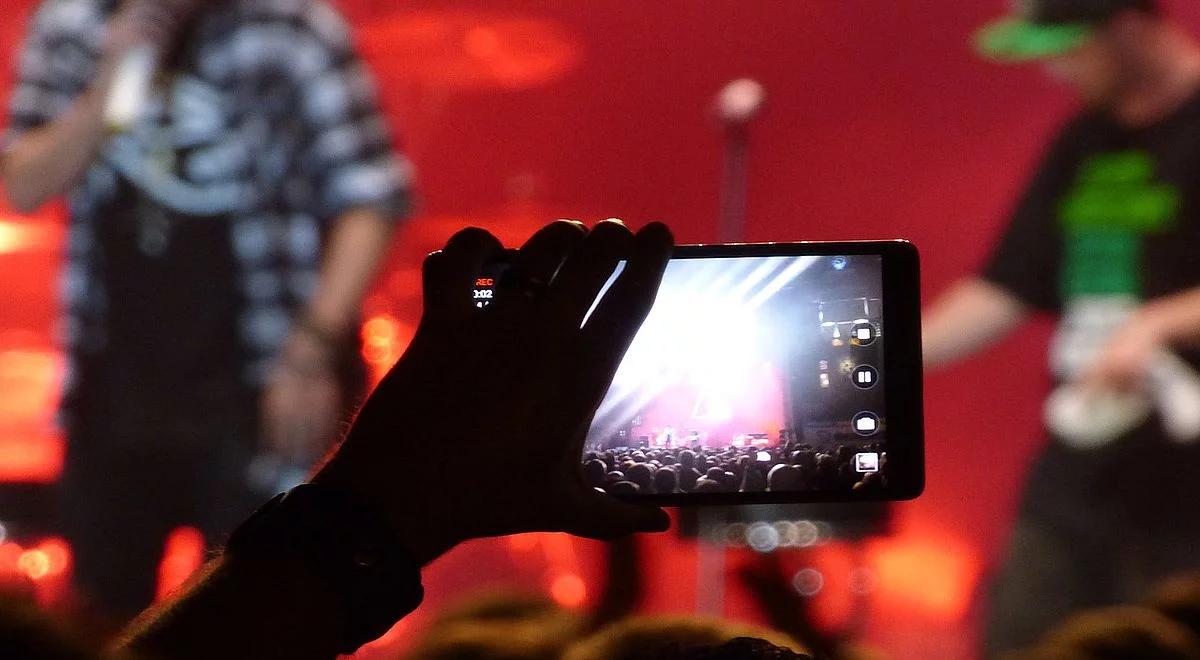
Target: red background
point(880, 124)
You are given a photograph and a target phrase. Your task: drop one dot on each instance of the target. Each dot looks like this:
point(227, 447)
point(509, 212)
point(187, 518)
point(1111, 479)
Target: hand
point(1123, 364)
point(302, 400)
point(478, 429)
point(156, 23)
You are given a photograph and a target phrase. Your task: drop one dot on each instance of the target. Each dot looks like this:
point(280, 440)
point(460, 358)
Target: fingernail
point(615, 220)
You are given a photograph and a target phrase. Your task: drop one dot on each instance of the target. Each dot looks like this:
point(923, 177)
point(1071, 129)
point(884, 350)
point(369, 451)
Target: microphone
point(130, 88)
point(740, 100)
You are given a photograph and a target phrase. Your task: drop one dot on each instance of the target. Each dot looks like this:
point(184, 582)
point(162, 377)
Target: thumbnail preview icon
point(866, 462)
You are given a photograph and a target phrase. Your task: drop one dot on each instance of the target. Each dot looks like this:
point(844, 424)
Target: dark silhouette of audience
point(684, 638)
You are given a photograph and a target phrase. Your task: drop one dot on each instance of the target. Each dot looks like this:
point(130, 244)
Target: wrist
point(424, 530)
point(329, 330)
point(313, 348)
point(343, 542)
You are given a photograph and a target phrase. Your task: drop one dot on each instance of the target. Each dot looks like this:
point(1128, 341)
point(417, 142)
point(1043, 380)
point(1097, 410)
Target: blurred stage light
point(384, 340)
point(34, 563)
point(20, 234)
point(762, 537)
point(469, 51)
point(789, 534)
point(930, 576)
point(705, 337)
point(568, 590)
point(863, 580)
point(183, 553)
point(31, 448)
point(58, 553)
point(807, 534)
point(808, 582)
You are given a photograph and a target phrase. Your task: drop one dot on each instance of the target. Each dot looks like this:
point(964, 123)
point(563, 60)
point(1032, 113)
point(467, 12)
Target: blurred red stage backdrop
point(879, 124)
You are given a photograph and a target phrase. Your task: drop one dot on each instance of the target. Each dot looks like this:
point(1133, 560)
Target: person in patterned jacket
point(223, 239)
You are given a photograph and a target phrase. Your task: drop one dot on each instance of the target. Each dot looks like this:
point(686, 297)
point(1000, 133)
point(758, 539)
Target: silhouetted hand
point(302, 402)
point(478, 429)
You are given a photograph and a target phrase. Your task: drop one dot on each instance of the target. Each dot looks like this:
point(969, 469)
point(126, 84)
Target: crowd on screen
point(789, 466)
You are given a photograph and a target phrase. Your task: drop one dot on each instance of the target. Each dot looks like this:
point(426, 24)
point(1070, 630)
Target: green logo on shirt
point(1114, 203)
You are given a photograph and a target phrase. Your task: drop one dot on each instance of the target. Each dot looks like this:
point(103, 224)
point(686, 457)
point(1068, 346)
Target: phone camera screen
point(751, 374)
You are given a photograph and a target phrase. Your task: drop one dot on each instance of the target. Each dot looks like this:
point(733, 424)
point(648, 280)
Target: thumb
point(600, 516)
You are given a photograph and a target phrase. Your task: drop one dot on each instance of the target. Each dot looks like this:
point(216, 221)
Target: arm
point(357, 245)
point(1021, 274)
point(236, 608)
point(459, 367)
point(1166, 323)
point(1175, 319)
point(282, 605)
point(302, 404)
point(364, 191)
point(969, 317)
point(47, 161)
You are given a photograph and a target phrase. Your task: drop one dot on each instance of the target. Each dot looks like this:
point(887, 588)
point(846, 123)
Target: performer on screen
point(1105, 237)
point(222, 238)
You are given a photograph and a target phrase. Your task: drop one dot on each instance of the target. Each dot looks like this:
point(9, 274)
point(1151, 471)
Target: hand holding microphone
point(137, 37)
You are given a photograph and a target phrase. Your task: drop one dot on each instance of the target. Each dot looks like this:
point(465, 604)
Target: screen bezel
point(903, 397)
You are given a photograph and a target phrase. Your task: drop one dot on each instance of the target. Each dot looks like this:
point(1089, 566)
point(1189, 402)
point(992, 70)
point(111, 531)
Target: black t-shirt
point(1112, 214)
point(1110, 211)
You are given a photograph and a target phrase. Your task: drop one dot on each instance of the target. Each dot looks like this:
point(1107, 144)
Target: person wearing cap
point(1104, 237)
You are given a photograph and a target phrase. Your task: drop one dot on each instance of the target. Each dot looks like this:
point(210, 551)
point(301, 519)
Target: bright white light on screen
point(704, 334)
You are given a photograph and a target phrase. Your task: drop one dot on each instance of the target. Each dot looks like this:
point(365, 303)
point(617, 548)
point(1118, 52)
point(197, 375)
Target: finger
point(586, 271)
point(624, 307)
point(616, 320)
point(449, 274)
point(600, 516)
point(538, 261)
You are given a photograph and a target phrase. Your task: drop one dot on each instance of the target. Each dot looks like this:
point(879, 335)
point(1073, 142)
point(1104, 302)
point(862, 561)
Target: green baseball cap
point(1044, 28)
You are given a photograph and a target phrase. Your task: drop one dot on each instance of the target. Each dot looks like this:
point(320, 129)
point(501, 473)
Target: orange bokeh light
point(32, 456)
point(183, 553)
point(26, 234)
point(58, 554)
point(568, 590)
point(31, 448)
point(934, 577)
point(462, 50)
point(34, 563)
point(384, 339)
